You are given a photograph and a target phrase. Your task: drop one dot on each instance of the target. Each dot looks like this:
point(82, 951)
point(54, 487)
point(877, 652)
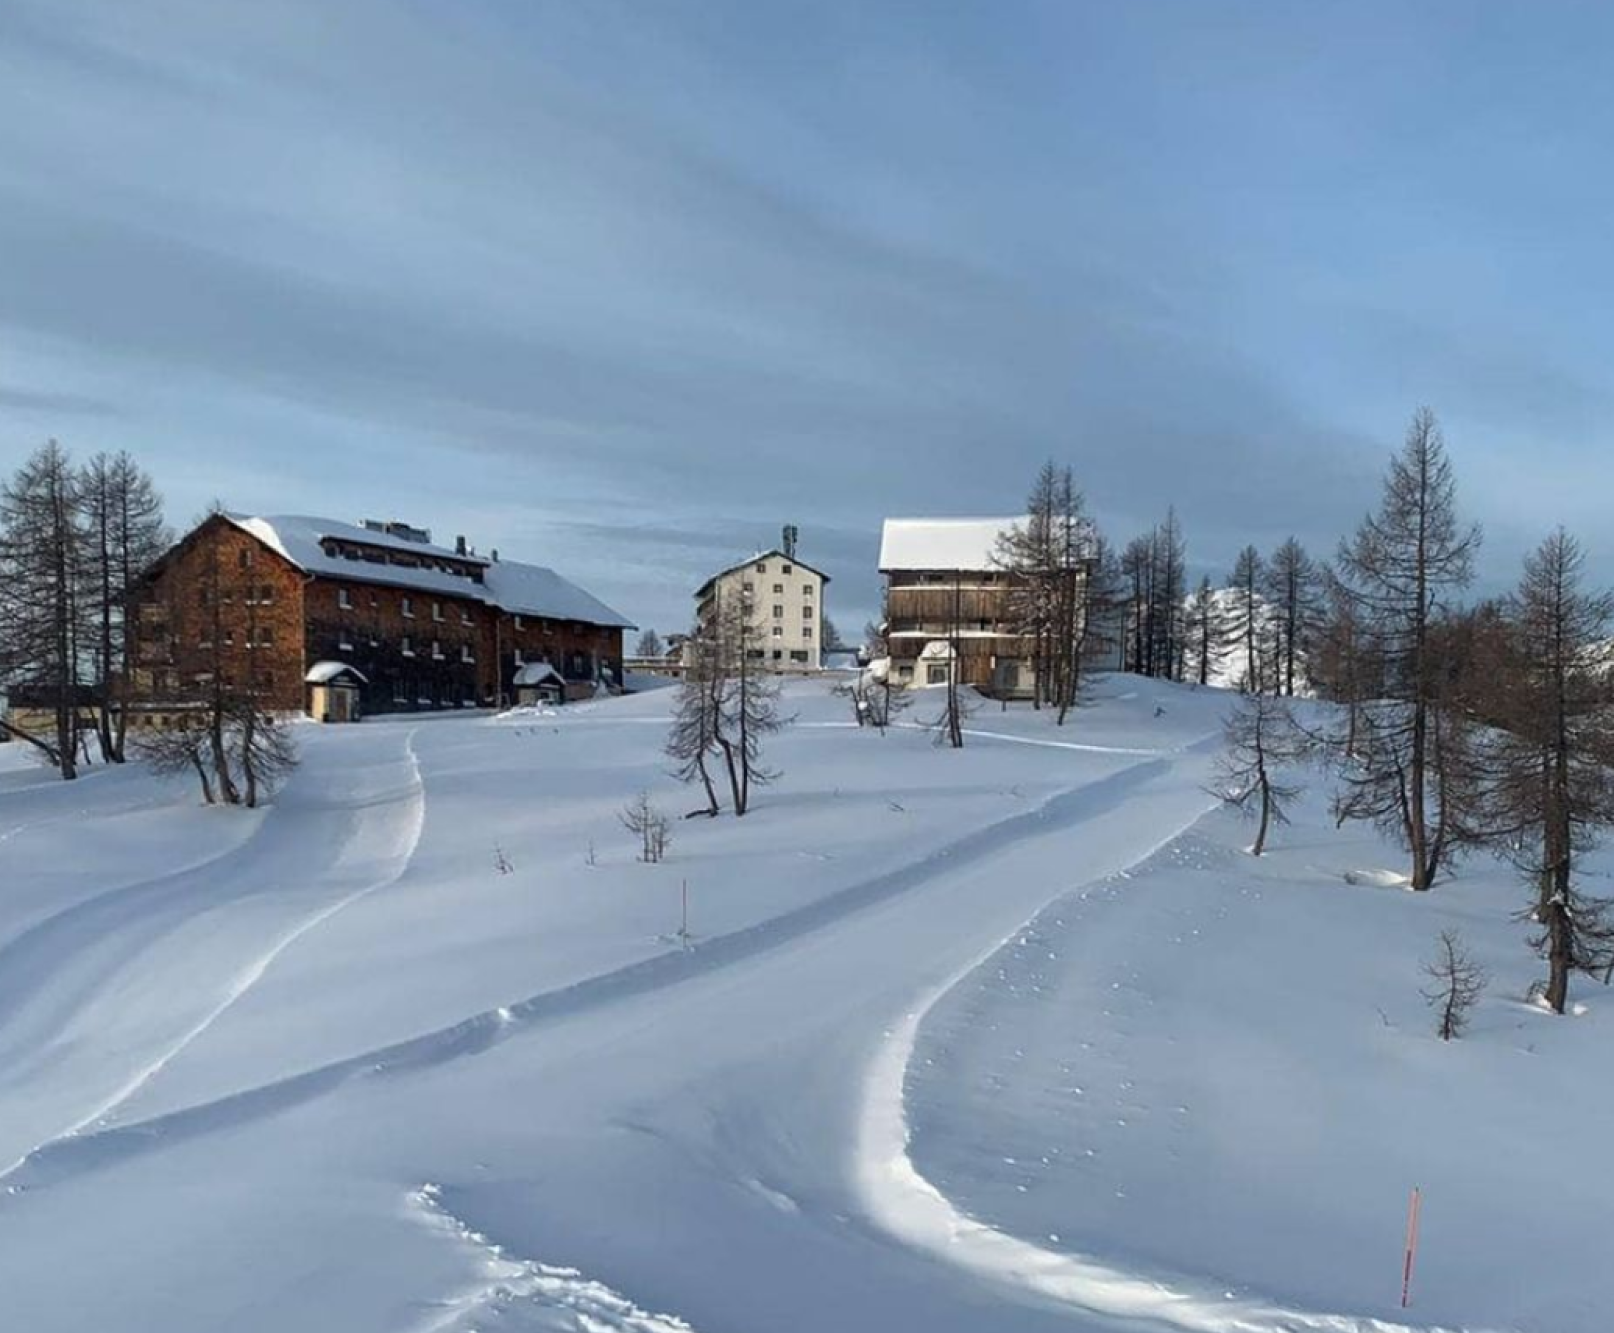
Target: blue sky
point(623, 287)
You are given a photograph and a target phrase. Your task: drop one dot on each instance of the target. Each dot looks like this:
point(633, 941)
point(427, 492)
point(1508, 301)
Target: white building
point(786, 598)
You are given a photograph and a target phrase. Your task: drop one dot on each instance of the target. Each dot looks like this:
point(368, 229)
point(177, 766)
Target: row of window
point(263, 636)
point(796, 655)
point(262, 594)
point(778, 589)
point(762, 568)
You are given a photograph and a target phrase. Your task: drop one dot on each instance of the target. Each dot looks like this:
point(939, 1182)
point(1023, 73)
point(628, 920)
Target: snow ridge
point(540, 1296)
point(70, 1154)
point(902, 1201)
point(407, 838)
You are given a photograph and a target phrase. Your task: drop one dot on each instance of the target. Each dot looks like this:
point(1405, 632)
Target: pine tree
point(1292, 593)
point(1247, 617)
point(43, 579)
point(1399, 570)
point(124, 535)
point(1549, 791)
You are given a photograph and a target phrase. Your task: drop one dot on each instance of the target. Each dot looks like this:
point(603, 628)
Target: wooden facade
point(930, 614)
point(226, 601)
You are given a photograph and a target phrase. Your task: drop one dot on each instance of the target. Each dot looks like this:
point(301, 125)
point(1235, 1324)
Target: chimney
point(495, 554)
point(459, 545)
point(789, 542)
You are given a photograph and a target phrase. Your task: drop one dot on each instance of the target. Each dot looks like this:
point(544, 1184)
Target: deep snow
point(1010, 1038)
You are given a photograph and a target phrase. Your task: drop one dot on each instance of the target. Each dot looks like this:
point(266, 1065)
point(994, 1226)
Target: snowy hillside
point(1010, 1038)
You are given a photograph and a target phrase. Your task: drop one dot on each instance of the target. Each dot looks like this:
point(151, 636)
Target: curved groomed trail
point(707, 1137)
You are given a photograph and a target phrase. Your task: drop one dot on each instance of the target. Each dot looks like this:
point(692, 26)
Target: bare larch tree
point(1456, 983)
point(1260, 740)
point(1400, 570)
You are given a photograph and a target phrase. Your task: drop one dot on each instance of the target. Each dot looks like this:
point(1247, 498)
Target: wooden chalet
point(947, 594)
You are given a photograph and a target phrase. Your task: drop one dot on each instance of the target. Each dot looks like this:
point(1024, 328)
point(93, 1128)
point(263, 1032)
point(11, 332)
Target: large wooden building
point(947, 593)
point(342, 619)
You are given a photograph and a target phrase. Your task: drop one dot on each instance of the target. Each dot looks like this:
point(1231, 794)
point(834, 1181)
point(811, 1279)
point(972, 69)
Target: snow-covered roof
point(769, 554)
point(533, 590)
point(510, 585)
point(536, 673)
point(942, 543)
point(322, 673)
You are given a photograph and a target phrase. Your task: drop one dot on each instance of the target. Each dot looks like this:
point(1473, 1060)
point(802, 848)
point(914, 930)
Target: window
point(266, 636)
point(344, 599)
point(936, 674)
point(905, 671)
point(266, 594)
point(465, 616)
point(409, 607)
point(437, 611)
point(806, 613)
point(778, 588)
point(520, 623)
point(778, 654)
point(465, 653)
point(798, 654)
point(778, 612)
point(806, 631)
point(229, 638)
point(204, 639)
point(786, 569)
point(437, 650)
point(408, 647)
point(748, 586)
point(778, 631)
point(375, 600)
point(762, 566)
point(520, 660)
point(243, 557)
point(344, 643)
point(806, 590)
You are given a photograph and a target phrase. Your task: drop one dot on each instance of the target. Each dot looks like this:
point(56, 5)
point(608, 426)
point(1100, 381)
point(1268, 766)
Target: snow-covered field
point(1011, 1038)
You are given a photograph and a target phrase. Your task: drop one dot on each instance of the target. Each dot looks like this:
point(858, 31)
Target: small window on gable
point(762, 566)
point(786, 569)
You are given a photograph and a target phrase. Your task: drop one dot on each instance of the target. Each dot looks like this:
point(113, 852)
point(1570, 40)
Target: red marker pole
point(1413, 1207)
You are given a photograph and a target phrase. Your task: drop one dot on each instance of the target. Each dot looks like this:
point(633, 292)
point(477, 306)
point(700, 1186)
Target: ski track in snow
point(526, 1295)
point(73, 1154)
point(908, 1206)
point(254, 969)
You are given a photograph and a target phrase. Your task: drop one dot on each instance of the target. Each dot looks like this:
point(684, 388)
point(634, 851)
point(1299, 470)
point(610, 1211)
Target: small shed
point(333, 691)
point(539, 683)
